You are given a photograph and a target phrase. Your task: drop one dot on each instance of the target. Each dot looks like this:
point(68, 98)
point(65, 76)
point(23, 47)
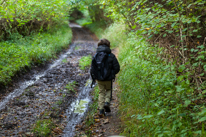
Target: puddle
point(81, 106)
point(76, 112)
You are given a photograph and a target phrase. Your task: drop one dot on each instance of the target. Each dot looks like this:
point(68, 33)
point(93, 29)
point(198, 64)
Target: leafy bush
point(85, 62)
point(25, 17)
point(38, 48)
point(162, 80)
point(176, 26)
point(154, 100)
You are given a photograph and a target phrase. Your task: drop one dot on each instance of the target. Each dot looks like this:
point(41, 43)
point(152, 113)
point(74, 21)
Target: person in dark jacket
point(106, 84)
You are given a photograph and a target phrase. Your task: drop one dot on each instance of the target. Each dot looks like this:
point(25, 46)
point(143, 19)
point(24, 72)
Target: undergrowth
point(28, 16)
point(71, 86)
point(85, 62)
point(97, 28)
point(113, 32)
point(154, 100)
point(92, 111)
point(25, 51)
point(86, 19)
point(43, 127)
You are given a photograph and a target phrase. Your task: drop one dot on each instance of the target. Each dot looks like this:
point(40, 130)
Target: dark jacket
point(112, 61)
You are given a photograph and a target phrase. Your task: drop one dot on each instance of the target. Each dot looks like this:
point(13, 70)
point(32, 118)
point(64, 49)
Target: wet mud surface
point(47, 93)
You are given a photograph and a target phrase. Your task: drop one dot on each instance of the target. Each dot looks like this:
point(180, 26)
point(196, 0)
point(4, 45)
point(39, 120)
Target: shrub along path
point(110, 125)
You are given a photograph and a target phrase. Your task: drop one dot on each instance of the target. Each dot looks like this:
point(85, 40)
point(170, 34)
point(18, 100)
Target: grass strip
point(85, 62)
point(20, 52)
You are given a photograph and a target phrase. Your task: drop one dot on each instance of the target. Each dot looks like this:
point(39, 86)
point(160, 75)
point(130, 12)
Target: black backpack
point(100, 67)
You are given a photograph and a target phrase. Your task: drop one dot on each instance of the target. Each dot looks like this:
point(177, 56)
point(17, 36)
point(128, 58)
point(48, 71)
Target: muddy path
point(108, 126)
point(59, 92)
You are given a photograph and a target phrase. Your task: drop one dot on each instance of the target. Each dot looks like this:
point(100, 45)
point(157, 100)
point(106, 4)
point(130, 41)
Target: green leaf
point(133, 27)
point(195, 30)
point(173, 24)
point(181, 68)
point(161, 112)
point(164, 35)
point(187, 102)
point(202, 119)
point(148, 116)
point(197, 132)
point(182, 114)
point(170, 31)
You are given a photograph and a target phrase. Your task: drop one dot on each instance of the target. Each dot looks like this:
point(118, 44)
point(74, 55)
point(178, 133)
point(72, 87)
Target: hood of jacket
point(104, 48)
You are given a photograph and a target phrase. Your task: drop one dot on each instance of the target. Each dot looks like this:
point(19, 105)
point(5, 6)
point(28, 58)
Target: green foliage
point(71, 86)
point(25, 17)
point(177, 26)
point(43, 127)
point(92, 110)
point(97, 27)
point(85, 62)
point(113, 33)
point(162, 80)
point(86, 19)
point(59, 102)
point(154, 100)
point(75, 14)
point(38, 48)
point(77, 47)
point(64, 60)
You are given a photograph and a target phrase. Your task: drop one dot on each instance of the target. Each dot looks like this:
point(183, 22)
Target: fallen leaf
point(97, 120)
point(57, 130)
point(61, 116)
point(106, 121)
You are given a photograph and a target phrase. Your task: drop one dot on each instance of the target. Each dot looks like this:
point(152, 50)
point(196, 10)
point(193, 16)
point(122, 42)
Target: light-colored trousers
point(104, 92)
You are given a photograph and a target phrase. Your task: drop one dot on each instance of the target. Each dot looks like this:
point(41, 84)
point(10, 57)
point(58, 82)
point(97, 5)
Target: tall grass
point(85, 62)
point(25, 51)
point(154, 100)
point(115, 33)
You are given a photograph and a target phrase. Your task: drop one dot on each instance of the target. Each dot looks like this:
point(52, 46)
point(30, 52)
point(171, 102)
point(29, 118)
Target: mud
point(44, 94)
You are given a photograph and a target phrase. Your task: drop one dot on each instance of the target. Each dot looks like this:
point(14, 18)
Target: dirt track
point(43, 95)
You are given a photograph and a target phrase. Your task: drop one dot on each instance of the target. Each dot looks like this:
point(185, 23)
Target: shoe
point(106, 107)
point(101, 113)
